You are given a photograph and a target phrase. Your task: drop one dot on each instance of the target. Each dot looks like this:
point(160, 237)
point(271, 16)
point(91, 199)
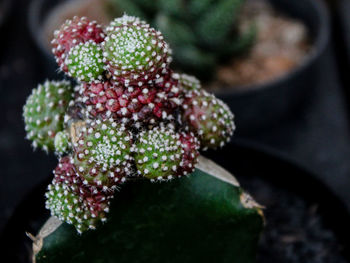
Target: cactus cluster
point(203, 33)
point(128, 116)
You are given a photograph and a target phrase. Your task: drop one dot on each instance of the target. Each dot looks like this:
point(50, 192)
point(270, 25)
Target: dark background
point(316, 138)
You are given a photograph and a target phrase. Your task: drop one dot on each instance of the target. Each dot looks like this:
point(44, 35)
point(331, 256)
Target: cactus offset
point(134, 52)
point(85, 62)
point(66, 173)
point(158, 153)
point(44, 112)
point(189, 83)
point(208, 117)
point(70, 207)
point(190, 146)
point(102, 154)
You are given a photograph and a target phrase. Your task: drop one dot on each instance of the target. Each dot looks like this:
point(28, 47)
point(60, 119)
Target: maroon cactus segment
point(65, 173)
point(73, 32)
point(209, 118)
point(190, 146)
point(145, 104)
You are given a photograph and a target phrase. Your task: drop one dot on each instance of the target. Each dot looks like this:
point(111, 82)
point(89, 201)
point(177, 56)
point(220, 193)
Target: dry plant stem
point(50, 226)
point(215, 170)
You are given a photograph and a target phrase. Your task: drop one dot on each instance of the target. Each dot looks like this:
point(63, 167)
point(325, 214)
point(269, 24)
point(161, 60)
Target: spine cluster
point(129, 116)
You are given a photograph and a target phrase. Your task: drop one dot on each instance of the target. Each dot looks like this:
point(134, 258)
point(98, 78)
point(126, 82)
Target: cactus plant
point(203, 33)
point(74, 202)
point(131, 115)
point(134, 120)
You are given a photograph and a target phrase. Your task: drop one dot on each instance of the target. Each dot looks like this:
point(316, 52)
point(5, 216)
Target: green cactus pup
point(70, 207)
point(85, 62)
point(102, 154)
point(158, 153)
point(134, 52)
point(44, 112)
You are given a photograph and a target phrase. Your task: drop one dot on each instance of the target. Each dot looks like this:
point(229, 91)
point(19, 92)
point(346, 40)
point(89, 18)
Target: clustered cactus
point(128, 116)
point(202, 33)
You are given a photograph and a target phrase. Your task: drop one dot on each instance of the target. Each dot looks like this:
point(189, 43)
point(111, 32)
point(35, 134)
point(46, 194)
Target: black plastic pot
point(261, 107)
point(281, 181)
point(257, 107)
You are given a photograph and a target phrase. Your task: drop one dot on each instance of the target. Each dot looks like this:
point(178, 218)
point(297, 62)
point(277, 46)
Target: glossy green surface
point(193, 219)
